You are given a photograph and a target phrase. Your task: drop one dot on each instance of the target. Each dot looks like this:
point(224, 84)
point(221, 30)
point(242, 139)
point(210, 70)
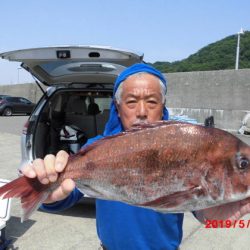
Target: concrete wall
point(223, 94)
point(28, 90)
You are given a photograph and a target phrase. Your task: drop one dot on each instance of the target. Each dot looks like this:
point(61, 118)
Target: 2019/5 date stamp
point(227, 223)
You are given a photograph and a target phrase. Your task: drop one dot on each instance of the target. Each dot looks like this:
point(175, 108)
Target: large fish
point(165, 166)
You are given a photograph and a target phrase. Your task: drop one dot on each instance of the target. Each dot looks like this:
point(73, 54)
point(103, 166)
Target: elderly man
point(139, 97)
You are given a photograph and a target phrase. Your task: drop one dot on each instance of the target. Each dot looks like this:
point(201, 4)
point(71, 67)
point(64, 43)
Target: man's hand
point(47, 172)
point(231, 211)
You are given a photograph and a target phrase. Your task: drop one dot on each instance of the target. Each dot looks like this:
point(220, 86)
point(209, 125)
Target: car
point(75, 106)
point(15, 105)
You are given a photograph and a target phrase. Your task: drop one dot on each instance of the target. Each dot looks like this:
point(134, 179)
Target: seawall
point(225, 94)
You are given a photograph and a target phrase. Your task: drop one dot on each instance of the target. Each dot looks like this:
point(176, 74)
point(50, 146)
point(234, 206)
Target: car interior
point(69, 119)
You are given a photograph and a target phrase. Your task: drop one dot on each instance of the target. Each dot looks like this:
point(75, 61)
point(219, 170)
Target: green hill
point(216, 56)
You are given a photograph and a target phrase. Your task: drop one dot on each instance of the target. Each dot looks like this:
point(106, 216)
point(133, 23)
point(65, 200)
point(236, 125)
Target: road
point(12, 124)
point(75, 228)
point(72, 229)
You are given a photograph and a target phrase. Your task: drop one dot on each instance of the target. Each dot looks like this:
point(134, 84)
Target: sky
point(164, 30)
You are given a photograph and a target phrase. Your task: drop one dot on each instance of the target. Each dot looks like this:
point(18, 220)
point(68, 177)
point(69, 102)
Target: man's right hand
point(47, 171)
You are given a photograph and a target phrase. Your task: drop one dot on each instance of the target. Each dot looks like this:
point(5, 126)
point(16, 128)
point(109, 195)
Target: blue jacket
point(122, 227)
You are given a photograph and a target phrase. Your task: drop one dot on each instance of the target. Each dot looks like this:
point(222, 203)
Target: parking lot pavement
point(12, 124)
point(75, 228)
point(72, 229)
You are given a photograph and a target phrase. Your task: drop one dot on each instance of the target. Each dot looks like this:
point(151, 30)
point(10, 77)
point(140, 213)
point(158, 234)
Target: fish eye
point(243, 163)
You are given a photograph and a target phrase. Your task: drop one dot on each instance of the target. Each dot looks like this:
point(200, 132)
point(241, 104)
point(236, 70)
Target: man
point(139, 96)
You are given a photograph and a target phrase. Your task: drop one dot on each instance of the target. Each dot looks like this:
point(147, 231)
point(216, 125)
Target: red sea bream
point(167, 166)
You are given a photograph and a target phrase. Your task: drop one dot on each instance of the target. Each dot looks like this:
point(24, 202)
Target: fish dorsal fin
point(141, 126)
point(137, 127)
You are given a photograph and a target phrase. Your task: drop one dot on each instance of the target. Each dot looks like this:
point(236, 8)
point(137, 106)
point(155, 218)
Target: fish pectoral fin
point(174, 199)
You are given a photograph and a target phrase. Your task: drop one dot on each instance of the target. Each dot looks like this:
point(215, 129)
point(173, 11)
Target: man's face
point(141, 100)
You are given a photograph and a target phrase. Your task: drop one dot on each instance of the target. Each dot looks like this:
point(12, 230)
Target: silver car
point(75, 105)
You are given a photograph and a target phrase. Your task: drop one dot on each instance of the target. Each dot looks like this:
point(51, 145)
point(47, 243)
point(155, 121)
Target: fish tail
point(31, 192)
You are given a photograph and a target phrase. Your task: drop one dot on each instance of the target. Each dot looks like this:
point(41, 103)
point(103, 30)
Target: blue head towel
point(114, 125)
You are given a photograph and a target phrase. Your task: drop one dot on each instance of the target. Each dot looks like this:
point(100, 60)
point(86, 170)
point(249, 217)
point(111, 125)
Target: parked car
point(76, 104)
point(15, 105)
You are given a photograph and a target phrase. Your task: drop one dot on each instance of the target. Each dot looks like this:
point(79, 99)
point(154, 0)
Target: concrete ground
point(75, 228)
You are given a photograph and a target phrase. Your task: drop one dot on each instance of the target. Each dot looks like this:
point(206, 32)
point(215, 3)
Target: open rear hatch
point(73, 64)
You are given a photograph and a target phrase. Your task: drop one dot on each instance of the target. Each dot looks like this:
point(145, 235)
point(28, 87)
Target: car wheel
point(7, 112)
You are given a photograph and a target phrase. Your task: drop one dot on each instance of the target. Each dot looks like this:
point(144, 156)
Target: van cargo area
point(68, 119)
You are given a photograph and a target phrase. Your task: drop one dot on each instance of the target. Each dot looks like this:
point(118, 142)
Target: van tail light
point(25, 127)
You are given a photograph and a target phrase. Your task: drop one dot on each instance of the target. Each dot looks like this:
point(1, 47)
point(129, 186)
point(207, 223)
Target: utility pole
point(238, 49)
point(18, 75)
